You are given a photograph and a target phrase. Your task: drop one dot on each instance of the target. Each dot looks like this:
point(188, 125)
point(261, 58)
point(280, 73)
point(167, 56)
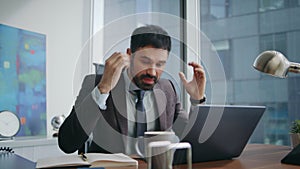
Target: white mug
point(161, 141)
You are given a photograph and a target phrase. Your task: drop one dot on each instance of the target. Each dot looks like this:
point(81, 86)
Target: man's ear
point(128, 51)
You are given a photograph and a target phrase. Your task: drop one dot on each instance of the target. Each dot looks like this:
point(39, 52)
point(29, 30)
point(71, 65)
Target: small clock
point(57, 121)
point(9, 124)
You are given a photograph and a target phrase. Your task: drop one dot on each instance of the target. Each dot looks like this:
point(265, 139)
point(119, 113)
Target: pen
point(83, 157)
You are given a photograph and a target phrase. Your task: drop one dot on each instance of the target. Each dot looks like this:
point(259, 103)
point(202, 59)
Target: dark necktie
point(141, 123)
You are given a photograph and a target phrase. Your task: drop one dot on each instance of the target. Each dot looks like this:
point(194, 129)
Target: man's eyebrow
point(145, 57)
point(148, 58)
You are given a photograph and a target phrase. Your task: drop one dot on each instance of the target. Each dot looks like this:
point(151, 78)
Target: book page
point(61, 161)
point(93, 160)
point(104, 160)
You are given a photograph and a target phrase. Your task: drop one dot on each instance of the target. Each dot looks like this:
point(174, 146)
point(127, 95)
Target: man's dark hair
point(150, 35)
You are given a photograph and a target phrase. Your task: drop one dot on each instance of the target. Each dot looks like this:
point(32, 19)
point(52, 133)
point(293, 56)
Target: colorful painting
point(23, 78)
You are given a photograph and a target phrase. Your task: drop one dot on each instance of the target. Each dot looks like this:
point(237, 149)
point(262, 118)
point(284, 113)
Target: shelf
point(28, 142)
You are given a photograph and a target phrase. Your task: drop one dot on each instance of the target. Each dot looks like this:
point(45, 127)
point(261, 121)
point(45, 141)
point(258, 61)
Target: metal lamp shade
point(275, 64)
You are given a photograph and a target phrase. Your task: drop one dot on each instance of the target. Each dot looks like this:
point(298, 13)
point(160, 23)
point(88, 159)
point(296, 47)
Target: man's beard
point(138, 80)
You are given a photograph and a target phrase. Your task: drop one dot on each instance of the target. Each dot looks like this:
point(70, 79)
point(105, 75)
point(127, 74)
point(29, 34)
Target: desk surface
point(254, 156)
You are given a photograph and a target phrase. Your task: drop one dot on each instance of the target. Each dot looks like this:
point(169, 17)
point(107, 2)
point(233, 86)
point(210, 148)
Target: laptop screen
point(218, 132)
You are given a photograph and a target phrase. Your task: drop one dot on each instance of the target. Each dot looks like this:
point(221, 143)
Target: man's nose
point(151, 71)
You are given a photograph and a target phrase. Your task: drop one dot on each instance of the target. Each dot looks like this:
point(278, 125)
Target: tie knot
point(140, 94)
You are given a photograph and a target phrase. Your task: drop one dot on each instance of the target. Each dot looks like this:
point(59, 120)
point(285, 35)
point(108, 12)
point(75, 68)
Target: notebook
point(219, 132)
point(92, 160)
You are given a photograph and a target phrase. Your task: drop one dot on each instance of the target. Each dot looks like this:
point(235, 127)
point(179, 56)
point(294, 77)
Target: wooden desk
point(255, 156)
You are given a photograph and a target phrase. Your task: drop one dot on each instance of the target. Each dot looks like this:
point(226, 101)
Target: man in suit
point(105, 109)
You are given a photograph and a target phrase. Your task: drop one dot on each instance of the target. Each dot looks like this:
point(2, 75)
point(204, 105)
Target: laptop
point(219, 132)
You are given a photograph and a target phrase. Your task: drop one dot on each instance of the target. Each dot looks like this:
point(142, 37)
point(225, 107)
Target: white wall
point(66, 26)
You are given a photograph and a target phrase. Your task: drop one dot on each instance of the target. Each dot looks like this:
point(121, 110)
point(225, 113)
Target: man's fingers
point(122, 61)
point(183, 79)
point(199, 72)
point(117, 61)
point(113, 57)
point(112, 71)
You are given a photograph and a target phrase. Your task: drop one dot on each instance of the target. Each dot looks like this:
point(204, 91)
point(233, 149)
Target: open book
point(92, 160)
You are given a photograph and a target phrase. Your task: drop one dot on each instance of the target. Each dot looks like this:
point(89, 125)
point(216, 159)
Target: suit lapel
point(119, 100)
point(161, 102)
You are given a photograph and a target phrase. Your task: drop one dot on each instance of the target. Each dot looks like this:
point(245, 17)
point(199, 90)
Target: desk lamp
point(275, 63)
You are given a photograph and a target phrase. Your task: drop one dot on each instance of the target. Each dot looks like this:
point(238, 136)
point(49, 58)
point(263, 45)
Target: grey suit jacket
point(109, 127)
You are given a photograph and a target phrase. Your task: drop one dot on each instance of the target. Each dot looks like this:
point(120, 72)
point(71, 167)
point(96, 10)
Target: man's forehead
point(152, 53)
point(151, 49)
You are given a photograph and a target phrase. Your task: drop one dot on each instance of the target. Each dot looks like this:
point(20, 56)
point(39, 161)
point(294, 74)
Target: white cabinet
point(34, 148)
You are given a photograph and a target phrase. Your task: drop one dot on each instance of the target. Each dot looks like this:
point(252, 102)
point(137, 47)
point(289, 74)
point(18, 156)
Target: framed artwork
point(23, 78)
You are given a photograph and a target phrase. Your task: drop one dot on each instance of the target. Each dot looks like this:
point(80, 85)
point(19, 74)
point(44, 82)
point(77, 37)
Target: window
point(247, 35)
point(223, 49)
point(274, 41)
point(239, 30)
point(267, 5)
point(214, 9)
point(111, 35)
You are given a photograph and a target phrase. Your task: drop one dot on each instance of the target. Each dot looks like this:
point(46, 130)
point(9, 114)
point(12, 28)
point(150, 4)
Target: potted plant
point(295, 133)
